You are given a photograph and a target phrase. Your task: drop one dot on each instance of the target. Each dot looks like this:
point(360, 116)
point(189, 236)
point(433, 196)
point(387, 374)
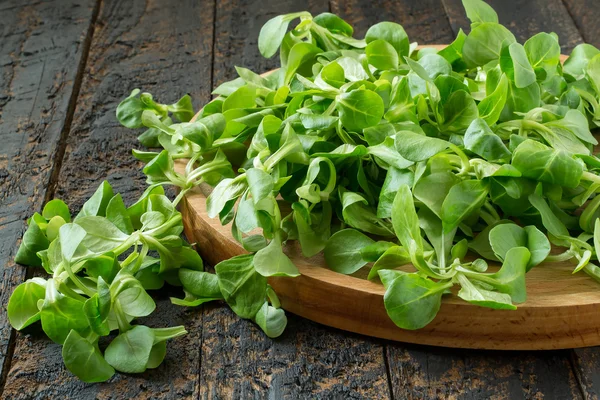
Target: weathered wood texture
point(164, 49)
point(425, 21)
point(420, 372)
point(524, 18)
point(586, 15)
point(41, 48)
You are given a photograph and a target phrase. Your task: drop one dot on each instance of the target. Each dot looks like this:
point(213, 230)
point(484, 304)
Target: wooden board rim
point(550, 319)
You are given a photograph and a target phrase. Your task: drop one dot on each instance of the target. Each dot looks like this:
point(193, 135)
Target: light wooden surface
point(562, 310)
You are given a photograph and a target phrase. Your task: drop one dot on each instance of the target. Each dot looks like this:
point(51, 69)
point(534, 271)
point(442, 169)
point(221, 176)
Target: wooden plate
point(562, 310)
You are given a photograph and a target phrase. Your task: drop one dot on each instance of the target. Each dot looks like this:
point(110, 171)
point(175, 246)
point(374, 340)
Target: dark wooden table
point(64, 67)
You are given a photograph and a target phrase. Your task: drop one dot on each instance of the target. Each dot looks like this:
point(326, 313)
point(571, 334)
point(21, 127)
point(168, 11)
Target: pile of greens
point(370, 150)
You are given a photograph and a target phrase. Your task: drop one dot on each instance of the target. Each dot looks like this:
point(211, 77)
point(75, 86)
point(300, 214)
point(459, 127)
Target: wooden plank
point(166, 50)
point(427, 372)
point(586, 14)
point(425, 21)
point(309, 360)
point(524, 18)
point(41, 48)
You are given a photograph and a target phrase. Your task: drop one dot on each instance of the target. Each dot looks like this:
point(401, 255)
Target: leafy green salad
point(376, 152)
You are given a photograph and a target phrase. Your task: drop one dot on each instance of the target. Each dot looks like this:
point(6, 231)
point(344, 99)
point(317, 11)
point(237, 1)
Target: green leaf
point(512, 273)
point(101, 234)
point(463, 199)
point(84, 359)
point(300, 59)
point(157, 355)
point(132, 296)
point(360, 109)
point(402, 107)
point(333, 74)
point(382, 55)
point(405, 219)
point(415, 147)
point(577, 62)
point(393, 257)
point(129, 111)
point(485, 42)
point(504, 237)
point(394, 178)
point(130, 351)
point(543, 51)
point(116, 212)
point(392, 33)
point(410, 300)
point(242, 287)
point(481, 140)
point(515, 64)
point(22, 306)
point(228, 189)
point(486, 298)
point(537, 161)
point(201, 284)
point(55, 208)
point(271, 261)
point(272, 33)
point(549, 219)
point(241, 98)
point(490, 108)
point(33, 241)
point(271, 320)
point(260, 184)
point(479, 11)
point(342, 251)
point(96, 205)
point(61, 314)
point(431, 190)
point(459, 111)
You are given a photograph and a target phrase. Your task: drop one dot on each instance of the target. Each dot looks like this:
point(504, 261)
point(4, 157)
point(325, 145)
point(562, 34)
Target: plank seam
point(60, 152)
point(64, 134)
point(576, 367)
point(212, 84)
point(454, 31)
point(579, 30)
point(388, 372)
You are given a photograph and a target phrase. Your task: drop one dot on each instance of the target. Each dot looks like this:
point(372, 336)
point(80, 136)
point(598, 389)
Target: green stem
point(162, 334)
point(67, 291)
point(567, 255)
point(140, 259)
point(490, 208)
point(182, 193)
point(126, 244)
point(75, 279)
point(466, 165)
point(588, 176)
point(122, 322)
point(175, 220)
